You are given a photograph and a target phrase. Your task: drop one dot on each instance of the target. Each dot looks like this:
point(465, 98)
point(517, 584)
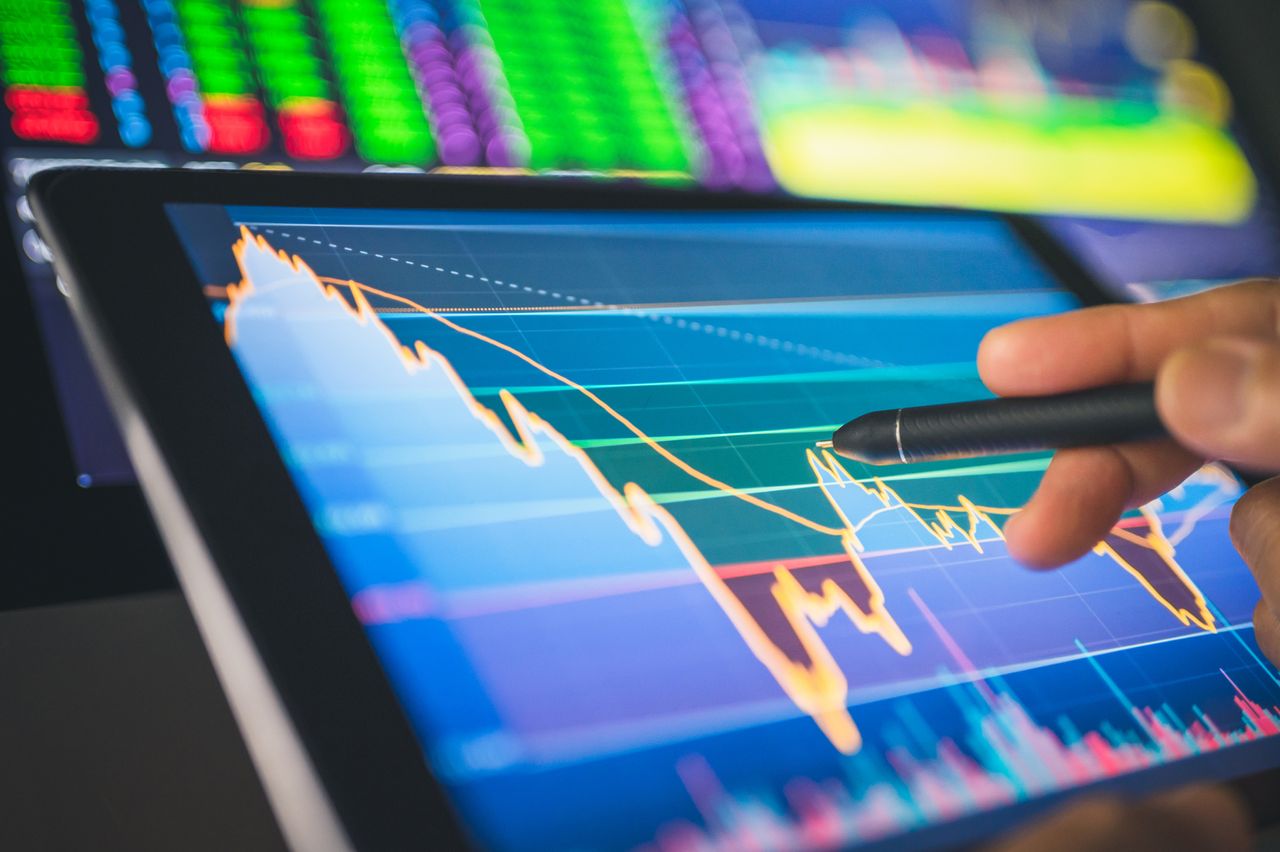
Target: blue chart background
point(558, 676)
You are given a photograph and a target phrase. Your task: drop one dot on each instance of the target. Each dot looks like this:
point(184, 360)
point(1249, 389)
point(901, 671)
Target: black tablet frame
point(125, 267)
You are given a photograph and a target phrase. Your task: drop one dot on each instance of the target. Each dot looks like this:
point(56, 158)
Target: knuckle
point(1267, 375)
point(1260, 286)
point(1255, 431)
point(1265, 390)
point(1255, 522)
point(1261, 617)
point(1263, 290)
point(1265, 631)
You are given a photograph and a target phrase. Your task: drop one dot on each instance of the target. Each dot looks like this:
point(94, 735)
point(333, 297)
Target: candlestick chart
point(596, 489)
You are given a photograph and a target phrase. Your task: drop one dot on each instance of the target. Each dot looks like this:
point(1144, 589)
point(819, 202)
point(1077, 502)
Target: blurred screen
point(567, 468)
point(1098, 113)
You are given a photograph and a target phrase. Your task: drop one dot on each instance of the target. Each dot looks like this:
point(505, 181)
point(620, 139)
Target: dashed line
point(691, 325)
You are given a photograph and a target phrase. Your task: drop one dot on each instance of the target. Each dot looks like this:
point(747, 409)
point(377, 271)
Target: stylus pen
point(1107, 415)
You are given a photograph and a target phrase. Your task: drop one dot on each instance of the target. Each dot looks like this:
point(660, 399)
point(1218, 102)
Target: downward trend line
point(1120, 541)
point(701, 476)
point(812, 678)
point(779, 617)
point(649, 441)
point(943, 526)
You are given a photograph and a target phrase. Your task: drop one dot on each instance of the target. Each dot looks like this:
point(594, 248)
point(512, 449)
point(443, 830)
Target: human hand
point(1215, 359)
point(1195, 819)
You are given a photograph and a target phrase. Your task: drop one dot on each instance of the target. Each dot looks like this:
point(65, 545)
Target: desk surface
point(115, 734)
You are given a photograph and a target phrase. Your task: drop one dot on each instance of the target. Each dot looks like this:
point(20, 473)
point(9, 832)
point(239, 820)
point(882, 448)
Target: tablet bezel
point(198, 415)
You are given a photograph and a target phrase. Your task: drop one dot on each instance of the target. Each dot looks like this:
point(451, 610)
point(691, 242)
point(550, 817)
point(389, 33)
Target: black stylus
point(1106, 415)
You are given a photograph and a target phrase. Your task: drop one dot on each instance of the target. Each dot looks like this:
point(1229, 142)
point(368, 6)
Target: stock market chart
point(571, 460)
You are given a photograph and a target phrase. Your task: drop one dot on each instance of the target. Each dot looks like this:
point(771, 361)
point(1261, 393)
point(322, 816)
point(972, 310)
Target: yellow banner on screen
point(1167, 168)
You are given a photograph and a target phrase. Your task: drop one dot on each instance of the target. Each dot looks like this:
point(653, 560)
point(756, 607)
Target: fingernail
point(1204, 388)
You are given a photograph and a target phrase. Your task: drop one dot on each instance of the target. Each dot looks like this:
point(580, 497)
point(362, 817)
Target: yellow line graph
point(818, 688)
point(1156, 541)
point(701, 476)
point(814, 681)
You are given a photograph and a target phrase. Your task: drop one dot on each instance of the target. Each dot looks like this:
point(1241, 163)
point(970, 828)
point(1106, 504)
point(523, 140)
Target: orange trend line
point(943, 527)
point(1156, 541)
point(818, 688)
point(942, 511)
point(946, 529)
point(705, 478)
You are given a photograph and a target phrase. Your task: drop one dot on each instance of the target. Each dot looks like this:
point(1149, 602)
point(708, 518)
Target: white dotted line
point(690, 325)
point(775, 343)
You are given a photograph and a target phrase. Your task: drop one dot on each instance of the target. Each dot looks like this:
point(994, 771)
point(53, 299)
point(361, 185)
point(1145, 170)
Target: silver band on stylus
point(897, 436)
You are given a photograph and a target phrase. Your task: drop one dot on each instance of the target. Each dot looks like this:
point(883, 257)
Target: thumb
point(1221, 398)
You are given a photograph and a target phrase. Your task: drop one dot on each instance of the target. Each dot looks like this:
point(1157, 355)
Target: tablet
point(503, 514)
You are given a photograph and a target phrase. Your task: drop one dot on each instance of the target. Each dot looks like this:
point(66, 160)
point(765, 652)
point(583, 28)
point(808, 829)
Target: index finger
point(1118, 343)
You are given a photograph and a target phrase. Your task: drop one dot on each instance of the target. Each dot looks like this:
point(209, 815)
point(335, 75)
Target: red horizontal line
point(746, 569)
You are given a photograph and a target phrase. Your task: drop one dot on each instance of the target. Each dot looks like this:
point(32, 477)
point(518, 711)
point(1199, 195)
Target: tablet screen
point(567, 466)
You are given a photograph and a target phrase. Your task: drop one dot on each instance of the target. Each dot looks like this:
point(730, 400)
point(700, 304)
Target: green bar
point(200, 13)
point(224, 83)
point(216, 47)
point(42, 56)
point(584, 85)
point(38, 45)
point(289, 64)
point(309, 87)
point(284, 54)
point(276, 19)
point(60, 80)
point(281, 42)
point(215, 59)
point(27, 32)
point(388, 120)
